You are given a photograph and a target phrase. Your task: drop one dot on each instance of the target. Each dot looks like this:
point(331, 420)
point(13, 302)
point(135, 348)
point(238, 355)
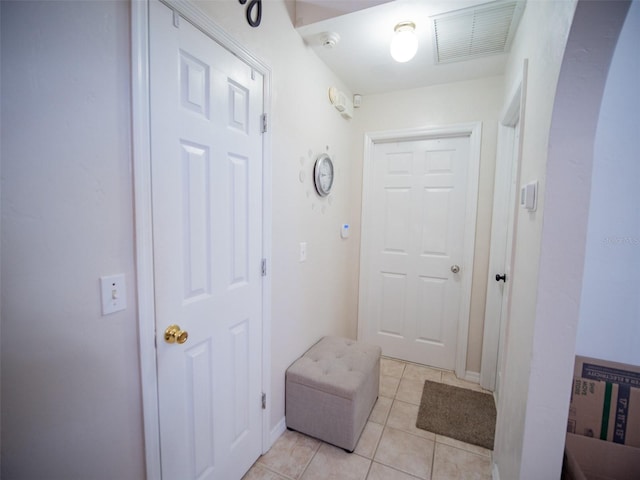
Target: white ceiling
point(361, 58)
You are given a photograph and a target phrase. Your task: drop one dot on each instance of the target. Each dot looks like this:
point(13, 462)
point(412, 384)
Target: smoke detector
point(329, 39)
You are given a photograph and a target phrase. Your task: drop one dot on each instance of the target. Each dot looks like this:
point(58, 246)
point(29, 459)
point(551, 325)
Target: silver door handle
point(455, 268)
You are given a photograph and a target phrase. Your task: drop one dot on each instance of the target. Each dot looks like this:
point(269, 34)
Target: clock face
point(323, 175)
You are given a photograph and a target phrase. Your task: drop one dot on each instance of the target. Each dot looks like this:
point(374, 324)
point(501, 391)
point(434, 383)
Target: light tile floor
point(390, 448)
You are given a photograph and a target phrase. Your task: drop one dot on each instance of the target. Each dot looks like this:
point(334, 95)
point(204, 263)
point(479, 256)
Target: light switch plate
point(529, 196)
point(114, 293)
point(303, 252)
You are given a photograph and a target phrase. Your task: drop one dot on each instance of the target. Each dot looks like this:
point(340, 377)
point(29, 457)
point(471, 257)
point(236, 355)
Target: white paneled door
point(206, 160)
point(414, 245)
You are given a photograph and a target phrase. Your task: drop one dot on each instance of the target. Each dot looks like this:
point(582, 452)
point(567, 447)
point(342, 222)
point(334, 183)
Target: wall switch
point(303, 252)
point(529, 196)
point(344, 230)
point(114, 293)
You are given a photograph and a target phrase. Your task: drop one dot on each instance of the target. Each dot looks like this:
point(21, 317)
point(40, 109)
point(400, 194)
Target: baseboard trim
point(276, 431)
point(472, 377)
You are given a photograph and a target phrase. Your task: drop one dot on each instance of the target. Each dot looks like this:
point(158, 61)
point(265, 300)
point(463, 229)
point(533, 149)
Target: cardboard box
point(592, 459)
point(605, 401)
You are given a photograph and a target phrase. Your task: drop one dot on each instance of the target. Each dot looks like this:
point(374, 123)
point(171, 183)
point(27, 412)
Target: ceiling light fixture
point(404, 44)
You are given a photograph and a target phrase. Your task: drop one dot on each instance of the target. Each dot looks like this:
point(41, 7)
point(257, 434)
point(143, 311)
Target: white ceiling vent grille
point(477, 31)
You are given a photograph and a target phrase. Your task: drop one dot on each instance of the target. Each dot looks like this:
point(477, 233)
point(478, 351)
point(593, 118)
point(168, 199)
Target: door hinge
point(264, 401)
point(263, 128)
point(264, 267)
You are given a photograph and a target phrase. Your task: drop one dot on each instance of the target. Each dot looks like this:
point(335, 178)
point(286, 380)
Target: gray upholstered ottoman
point(331, 390)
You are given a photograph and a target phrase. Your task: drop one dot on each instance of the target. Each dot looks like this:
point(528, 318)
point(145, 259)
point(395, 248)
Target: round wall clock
point(323, 175)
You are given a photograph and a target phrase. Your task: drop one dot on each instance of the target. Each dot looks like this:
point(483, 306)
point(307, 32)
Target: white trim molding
point(473, 377)
point(474, 131)
point(141, 135)
point(277, 430)
point(141, 139)
point(495, 473)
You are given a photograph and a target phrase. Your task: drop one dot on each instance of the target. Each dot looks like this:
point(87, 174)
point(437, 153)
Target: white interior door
point(415, 237)
point(500, 271)
point(503, 226)
point(206, 161)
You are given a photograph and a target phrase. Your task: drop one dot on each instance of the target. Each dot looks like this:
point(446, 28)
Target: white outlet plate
point(114, 293)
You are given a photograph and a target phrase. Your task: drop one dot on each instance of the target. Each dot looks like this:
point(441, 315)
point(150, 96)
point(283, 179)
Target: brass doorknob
point(174, 334)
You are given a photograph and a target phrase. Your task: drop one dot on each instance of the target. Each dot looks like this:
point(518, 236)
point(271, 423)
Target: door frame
point(472, 130)
point(504, 204)
point(141, 161)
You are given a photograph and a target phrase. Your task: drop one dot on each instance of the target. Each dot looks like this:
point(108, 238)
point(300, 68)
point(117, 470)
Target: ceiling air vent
point(477, 31)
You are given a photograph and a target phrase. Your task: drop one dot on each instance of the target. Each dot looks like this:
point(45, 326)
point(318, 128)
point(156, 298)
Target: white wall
point(610, 306)
point(440, 105)
point(70, 377)
point(71, 403)
point(558, 150)
point(583, 74)
point(541, 38)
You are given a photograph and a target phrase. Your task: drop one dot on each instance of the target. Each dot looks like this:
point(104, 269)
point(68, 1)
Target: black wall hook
point(253, 18)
